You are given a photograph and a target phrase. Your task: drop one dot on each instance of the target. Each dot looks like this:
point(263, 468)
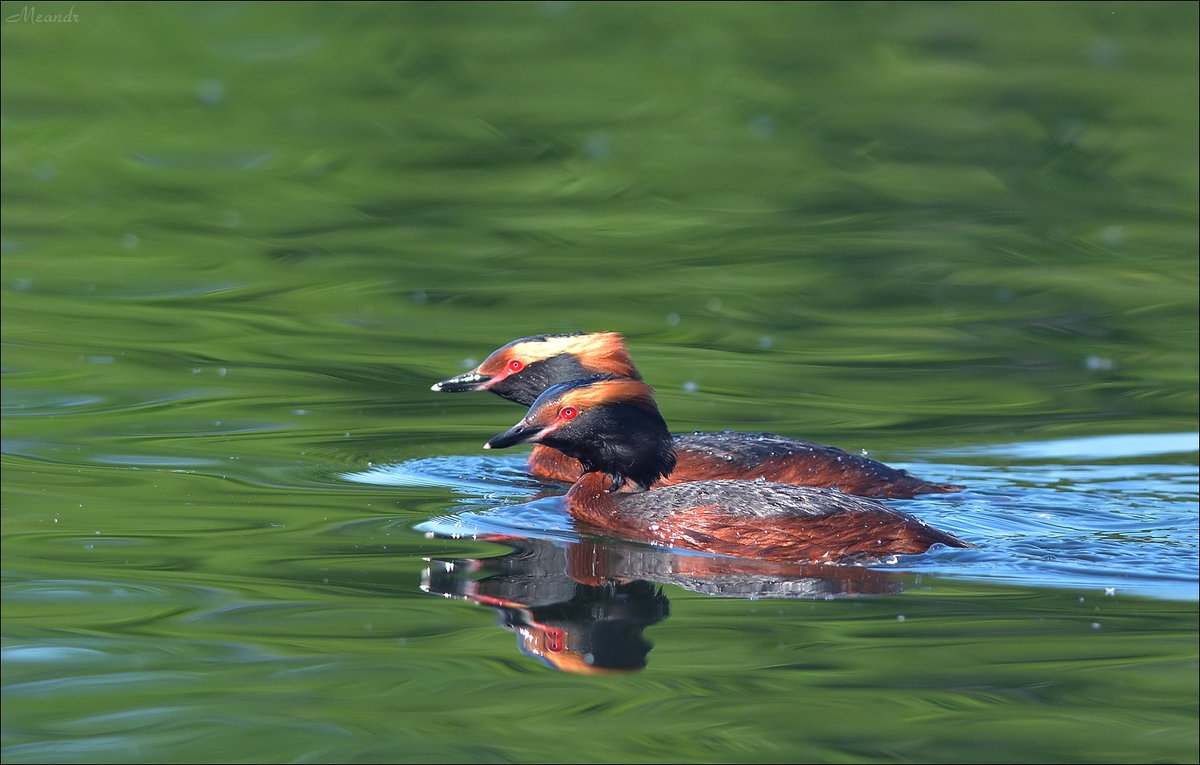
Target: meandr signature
point(29, 15)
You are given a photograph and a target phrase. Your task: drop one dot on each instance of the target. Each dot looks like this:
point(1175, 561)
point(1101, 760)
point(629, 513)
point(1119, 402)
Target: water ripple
point(1126, 528)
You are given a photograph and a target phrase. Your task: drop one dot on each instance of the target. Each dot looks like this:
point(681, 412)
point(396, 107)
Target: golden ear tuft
point(620, 390)
point(605, 352)
point(601, 352)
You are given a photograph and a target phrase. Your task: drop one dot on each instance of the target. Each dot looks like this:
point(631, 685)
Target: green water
point(241, 240)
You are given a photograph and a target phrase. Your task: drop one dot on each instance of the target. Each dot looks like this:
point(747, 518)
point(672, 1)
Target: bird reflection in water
point(583, 607)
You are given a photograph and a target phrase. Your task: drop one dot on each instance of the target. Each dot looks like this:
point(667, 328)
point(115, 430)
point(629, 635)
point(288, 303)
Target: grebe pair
point(689, 492)
point(522, 370)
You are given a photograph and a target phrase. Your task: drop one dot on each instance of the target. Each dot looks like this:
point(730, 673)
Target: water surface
point(240, 241)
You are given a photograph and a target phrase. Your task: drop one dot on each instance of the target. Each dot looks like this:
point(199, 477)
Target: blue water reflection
point(1049, 522)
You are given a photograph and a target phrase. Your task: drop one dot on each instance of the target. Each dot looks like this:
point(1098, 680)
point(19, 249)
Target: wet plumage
point(523, 369)
point(613, 427)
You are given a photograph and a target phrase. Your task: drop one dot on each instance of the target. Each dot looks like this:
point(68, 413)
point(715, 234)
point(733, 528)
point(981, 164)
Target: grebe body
point(613, 427)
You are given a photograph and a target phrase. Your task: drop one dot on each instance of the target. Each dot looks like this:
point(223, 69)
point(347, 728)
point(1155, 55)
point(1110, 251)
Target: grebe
point(523, 369)
point(613, 427)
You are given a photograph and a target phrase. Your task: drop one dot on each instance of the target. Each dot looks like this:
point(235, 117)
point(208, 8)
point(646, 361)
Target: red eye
point(567, 413)
point(516, 365)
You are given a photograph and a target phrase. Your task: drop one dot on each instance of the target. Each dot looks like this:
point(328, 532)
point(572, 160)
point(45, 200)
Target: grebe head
point(610, 424)
point(521, 370)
